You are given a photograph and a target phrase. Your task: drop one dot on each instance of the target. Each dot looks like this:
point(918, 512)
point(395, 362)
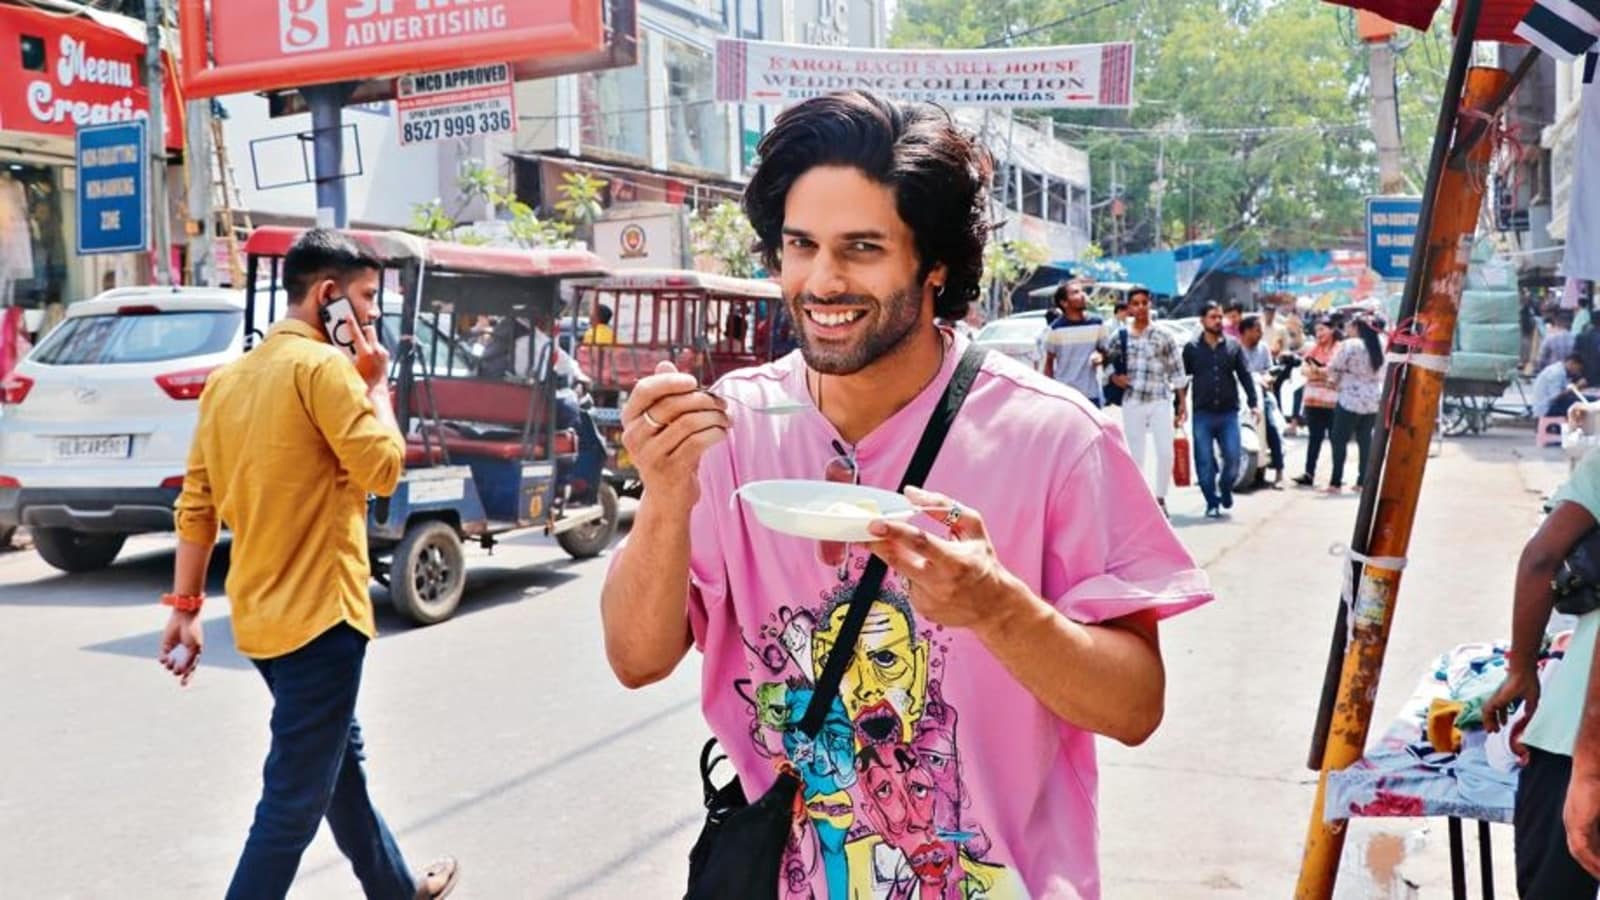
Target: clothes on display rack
point(16, 238)
point(1583, 217)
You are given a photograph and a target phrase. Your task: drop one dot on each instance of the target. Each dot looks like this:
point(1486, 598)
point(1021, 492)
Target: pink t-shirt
point(936, 774)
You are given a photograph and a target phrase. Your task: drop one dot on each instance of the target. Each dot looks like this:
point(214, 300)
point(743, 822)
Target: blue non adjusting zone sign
point(113, 207)
point(1391, 230)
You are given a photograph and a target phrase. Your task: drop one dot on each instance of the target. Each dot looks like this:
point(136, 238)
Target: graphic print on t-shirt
point(882, 781)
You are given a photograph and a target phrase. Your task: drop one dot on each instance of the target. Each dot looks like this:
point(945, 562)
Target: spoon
point(781, 408)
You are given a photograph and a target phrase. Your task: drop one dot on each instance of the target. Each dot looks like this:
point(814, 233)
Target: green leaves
point(1257, 111)
point(724, 234)
point(479, 182)
point(581, 196)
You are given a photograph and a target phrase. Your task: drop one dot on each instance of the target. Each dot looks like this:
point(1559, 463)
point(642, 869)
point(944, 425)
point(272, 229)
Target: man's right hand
point(1521, 685)
point(372, 358)
point(668, 425)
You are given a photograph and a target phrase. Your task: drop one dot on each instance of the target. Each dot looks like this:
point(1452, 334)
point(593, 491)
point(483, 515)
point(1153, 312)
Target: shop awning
point(1497, 22)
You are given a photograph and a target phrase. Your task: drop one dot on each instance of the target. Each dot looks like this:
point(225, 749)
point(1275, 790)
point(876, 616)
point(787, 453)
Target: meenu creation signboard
point(1079, 76)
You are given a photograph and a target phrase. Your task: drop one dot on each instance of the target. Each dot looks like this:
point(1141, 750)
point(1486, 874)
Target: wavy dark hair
point(938, 172)
point(1368, 333)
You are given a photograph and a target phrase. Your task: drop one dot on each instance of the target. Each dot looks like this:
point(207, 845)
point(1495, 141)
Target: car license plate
point(113, 446)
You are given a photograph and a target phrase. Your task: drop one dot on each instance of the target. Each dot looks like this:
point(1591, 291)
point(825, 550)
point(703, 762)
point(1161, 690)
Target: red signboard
point(263, 45)
point(58, 72)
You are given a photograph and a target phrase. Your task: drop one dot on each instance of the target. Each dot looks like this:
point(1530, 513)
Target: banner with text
point(1079, 76)
point(113, 204)
point(460, 103)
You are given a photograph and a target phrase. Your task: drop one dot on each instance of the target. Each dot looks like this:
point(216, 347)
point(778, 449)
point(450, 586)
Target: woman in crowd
point(1321, 395)
point(1357, 371)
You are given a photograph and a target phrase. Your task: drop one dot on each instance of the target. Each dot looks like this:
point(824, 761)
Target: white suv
point(95, 424)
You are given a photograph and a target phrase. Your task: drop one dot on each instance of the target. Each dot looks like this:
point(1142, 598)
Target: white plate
point(95, 446)
point(801, 508)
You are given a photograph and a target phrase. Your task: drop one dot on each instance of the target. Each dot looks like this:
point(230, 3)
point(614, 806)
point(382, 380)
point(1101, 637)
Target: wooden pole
point(1459, 195)
point(1410, 300)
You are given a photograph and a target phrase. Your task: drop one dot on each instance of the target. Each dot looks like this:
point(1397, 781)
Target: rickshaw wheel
point(428, 573)
point(590, 540)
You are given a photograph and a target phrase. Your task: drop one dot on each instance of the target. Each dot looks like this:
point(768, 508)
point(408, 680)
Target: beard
point(888, 323)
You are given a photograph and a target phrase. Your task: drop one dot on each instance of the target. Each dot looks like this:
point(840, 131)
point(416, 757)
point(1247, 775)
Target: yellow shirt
point(600, 333)
point(285, 453)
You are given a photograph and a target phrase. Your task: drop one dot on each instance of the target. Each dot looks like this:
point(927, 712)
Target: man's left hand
point(1582, 818)
point(1121, 381)
point(954, 581)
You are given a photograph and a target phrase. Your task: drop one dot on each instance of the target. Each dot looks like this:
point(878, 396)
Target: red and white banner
point(59, 72)
point(234, 45)
point(1078, 76)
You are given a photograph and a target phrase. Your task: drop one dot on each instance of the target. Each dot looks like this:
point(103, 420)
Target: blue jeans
point(314, 771)
point(1211, 430)
point(589, 467)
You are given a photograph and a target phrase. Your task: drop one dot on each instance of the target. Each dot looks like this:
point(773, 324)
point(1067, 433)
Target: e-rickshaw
point(705, 324)
point(484, 455)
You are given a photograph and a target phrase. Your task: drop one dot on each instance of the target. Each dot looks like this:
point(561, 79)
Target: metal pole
point(1449, 106)
point(198, 153)
point(327, 128)
point(161, 212)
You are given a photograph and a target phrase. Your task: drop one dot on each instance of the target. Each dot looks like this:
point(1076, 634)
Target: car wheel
point(428, 573)
point(77, 551)
point(591, 539)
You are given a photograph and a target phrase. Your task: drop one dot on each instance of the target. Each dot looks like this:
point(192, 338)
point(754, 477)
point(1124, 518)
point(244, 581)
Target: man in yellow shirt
point(290, 441)
point(600, 332)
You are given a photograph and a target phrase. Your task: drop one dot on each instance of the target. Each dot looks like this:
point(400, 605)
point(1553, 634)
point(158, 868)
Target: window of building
point(1078, 208)
point(697, 125)
point(1032, 193)
point(1056, 209)
point(614, 113)
point(1003, 190)
point(32, 53)
point(34, 265)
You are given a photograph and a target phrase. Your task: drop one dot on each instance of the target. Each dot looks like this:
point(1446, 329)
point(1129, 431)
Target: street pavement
point(501, 737)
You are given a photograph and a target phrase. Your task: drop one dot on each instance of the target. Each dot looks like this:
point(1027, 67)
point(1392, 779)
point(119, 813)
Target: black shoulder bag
point(740, 850)
point(1576, 585)
point(1113, 392)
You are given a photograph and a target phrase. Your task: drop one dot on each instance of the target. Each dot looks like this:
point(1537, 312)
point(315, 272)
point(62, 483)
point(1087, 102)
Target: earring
point(939, 292)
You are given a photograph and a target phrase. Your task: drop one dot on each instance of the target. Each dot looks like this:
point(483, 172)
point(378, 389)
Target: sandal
point(438, 879)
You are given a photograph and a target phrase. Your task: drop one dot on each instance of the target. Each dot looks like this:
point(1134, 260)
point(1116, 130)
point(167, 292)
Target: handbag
point(1182, 473)
point(1577, 582)
point(1113, 392)
point(739, 853)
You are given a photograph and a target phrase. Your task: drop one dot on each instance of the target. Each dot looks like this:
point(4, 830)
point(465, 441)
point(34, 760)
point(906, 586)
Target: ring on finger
point(652, 420)
point(953, 516)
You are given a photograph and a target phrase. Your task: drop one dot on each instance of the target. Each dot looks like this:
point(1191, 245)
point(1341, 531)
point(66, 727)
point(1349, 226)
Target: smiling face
point(849, 270)
point(884, 687)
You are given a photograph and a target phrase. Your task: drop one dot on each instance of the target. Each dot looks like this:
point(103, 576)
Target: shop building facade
point(61, 68)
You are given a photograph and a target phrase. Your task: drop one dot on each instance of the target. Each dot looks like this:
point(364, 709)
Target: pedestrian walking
point(1559, 771)
point(1076, 343)
point(291, 439)
point(1154, 373)
point(1232, 317)
point(1218, 373)
point(1011, 625)
point(1321, 395)
point(1252, 340)
point(1357, 372)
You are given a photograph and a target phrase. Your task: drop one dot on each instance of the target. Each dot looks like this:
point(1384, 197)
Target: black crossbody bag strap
point(827, 686)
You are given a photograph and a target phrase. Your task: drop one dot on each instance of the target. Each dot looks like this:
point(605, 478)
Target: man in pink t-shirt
point(1018, 618)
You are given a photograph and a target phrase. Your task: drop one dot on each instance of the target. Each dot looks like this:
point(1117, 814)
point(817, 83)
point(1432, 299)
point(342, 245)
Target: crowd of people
point(1238, 364)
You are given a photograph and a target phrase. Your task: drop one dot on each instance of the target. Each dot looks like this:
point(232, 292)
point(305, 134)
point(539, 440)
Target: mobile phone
point(336, 318)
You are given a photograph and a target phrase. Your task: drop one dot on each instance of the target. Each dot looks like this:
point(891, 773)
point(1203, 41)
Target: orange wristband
point(188, 603)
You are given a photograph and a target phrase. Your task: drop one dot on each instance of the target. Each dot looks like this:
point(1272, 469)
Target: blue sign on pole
point(1391, 230)
point(113, 197)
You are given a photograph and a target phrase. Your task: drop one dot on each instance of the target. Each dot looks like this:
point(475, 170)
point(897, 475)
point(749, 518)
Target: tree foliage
point(1256, 110)
point(477, 182)
point(722, 233)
